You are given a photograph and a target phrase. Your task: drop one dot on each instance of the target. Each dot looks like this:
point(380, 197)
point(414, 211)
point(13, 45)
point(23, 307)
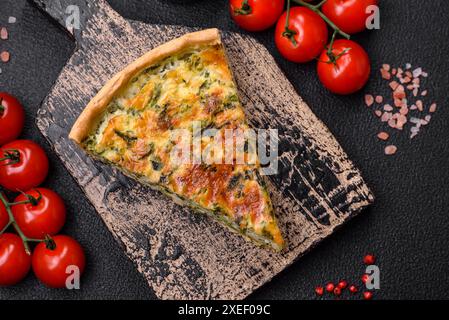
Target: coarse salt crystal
point(5, 56)
point(369, 100)
point(3, 33)
point(385, 74)
point(390, 150)
point(402, 120)
point(404, 110)
point(408, 66)
point(379, 99)
point(387, 107)
point(398, 102)
point(383, 136)
point(394, 85)
point(392, 123)
point(420, 105)
point(386, 116)
point(12, 20)
point(399, 93)
point(417, 72)
point(406, 80)
point(433, 108)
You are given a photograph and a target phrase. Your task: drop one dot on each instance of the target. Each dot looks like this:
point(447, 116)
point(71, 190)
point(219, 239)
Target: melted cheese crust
point(136, 135)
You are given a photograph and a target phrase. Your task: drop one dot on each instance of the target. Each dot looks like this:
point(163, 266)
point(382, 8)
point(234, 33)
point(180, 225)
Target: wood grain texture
point(184, 255)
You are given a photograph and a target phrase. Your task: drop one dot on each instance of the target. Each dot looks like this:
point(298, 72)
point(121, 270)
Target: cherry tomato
point(349, 15)
point(308, 35)
point(256, 15)
point(14, 262)
point(12, 118)
point(4, 217)
point(50, 264)
point(24, 165)
point(45, 215)
point(350, 71)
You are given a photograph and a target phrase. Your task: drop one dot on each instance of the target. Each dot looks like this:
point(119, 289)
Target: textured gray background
point(407, 226)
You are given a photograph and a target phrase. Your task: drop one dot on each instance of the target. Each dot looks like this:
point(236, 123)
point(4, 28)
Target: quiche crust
point(129, 122)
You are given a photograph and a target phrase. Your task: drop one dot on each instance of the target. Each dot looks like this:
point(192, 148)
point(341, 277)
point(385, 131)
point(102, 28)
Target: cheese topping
point(136, 135)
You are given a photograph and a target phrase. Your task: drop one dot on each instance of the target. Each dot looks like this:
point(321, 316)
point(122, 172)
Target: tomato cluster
point(301, 35)
point(37, 214)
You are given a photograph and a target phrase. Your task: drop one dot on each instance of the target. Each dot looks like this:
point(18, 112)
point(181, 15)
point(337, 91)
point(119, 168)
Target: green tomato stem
point(319, 5)
point(317, 10)
point(19, 203)
point(289, 33)
point(329, 49)
point(244, 10)
point(5, 228)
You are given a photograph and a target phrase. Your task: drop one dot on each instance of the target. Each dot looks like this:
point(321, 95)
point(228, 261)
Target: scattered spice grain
point(390, 150)
point(5, 56)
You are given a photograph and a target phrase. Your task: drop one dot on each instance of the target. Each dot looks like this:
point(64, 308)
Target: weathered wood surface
point(184, 255)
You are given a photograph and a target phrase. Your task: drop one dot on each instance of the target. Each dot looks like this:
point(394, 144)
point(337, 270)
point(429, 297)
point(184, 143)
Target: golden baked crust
point(89, 117)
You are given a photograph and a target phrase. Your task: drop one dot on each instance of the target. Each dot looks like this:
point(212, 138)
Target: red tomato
point(349, 15)
point(310, 35)
point(14, 262)
point(12, 118)
point(50, 266)
point(24, 165)
point(45, 217)
point(4, 217)
point(351, 70)
point(256, 15)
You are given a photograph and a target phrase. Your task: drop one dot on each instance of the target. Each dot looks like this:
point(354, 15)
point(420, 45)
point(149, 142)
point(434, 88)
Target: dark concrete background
point(407, 227)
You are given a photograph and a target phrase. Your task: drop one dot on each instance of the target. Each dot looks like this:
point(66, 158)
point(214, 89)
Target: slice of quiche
point(181, 86)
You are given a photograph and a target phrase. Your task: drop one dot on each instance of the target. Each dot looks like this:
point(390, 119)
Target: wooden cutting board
point(184, 255)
